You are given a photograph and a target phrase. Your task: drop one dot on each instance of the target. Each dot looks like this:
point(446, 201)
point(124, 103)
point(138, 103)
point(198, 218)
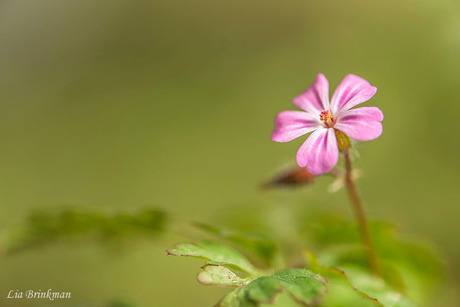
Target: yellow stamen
point(325, 116)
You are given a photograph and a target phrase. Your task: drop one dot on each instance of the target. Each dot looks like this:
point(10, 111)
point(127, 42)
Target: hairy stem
point(359, 214)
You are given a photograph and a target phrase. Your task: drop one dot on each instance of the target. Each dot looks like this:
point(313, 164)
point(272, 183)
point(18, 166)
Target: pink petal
point(316, 98)
point(292, 124)
point(362, 124)
point(352, 91)
point(319, 153)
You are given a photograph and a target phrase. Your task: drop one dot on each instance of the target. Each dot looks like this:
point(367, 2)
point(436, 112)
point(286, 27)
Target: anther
point(325, 115)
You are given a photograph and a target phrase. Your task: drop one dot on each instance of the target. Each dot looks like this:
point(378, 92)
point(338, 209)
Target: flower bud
point(343, 142)
point(298, 176)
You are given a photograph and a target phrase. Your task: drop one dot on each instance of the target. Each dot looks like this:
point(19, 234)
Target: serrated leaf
point(372, 290)
point(291, 274)
point(263, 289)
point(259, 291)
point(376, 287)
point(303, 285)
point(263, 248)
point(236, 298)
point(217, 254)
point(339, 278)
point(217, 275)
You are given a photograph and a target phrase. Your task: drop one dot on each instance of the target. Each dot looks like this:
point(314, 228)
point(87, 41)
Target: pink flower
point(320, 153)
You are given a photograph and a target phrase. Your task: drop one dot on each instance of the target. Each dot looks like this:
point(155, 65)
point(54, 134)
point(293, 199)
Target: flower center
point(325, 116)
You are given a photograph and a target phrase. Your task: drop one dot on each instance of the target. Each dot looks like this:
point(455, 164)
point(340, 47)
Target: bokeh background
point(170, 104)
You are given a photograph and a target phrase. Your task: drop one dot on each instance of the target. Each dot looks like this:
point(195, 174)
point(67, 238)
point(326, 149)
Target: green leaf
point(303, 285)
point(376, 287)
point(409, 265)
point(263, 289)
point(340, 246)
point(339, 279)
point(236, 298)
point(217, 275)
point(258, 286)
point(216, 254)
point(368, 290)
point(260, 290)
point(47, 227)
point(261, 247)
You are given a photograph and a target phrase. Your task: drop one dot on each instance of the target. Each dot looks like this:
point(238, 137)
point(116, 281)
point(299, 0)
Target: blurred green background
point(170, 104)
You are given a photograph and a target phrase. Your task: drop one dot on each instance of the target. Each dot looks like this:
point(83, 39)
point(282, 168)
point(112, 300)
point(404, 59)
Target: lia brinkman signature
point(31, 294)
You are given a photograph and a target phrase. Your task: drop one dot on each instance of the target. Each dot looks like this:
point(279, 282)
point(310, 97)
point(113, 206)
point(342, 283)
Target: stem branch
point(359, 214)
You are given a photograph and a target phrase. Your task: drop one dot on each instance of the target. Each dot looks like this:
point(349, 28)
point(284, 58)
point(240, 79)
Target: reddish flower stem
point(359, 214)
